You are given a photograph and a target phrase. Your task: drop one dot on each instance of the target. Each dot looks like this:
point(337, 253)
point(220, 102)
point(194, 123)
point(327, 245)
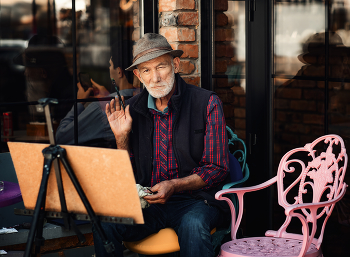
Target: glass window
point(338, 110)
point(311, 71)
point(42, 55)
point(229, 62)
point(308, 18)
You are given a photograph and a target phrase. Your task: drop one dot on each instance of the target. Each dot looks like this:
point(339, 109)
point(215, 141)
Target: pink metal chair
point(310, 180)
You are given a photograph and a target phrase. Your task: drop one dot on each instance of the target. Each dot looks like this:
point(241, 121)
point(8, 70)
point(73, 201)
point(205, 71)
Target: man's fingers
point(95, 85)
point(152, 199)
point(79, 86)
point(114, 105)
point(127, 114)
point(112, 108)
point(117, 104)
point(108, 111)
point(93, 82)
point(88, 91)
point(123, 100)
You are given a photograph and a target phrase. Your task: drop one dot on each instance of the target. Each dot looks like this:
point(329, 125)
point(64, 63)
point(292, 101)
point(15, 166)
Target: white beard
point(160, 89)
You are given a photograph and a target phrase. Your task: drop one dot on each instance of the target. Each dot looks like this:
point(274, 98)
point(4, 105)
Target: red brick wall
point(179, 22)
point(136, 21)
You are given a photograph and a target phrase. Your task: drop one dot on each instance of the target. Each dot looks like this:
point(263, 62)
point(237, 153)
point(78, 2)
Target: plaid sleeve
point(213, 167)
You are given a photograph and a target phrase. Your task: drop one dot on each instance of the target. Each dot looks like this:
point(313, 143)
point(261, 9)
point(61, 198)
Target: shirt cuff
point(204, 175)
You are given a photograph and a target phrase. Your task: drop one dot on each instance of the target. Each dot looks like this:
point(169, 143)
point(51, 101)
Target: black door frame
point(259, 112)
point(259, 109)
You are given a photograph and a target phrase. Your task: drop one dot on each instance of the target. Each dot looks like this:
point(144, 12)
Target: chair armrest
point(242, 190)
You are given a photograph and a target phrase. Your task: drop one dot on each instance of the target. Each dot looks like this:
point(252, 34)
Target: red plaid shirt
point(213, 166)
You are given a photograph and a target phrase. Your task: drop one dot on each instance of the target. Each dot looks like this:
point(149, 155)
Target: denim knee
point(195, 239)
point(193, 225)
point(194, 231)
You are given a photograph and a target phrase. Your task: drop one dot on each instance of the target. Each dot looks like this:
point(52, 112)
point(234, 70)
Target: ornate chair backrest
point(312, 174)
point(240, 154)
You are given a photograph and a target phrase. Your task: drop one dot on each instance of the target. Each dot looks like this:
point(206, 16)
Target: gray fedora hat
point(151, 46)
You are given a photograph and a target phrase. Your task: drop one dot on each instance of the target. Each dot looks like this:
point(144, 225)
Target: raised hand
point(120, 122)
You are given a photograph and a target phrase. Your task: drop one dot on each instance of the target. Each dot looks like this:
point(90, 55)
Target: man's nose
point(155, 76)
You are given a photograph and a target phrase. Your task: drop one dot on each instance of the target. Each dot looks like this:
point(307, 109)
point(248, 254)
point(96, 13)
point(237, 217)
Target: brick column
point(179, 24)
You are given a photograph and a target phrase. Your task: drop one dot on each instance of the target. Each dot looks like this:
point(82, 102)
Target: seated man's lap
point(180, 211)
point(197, 218)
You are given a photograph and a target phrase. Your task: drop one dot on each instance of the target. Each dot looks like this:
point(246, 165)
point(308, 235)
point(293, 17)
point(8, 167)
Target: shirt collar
point(151, 104)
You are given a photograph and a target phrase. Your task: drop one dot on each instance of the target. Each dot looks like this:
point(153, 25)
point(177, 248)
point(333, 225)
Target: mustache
point(162, 83)
point(152, 85)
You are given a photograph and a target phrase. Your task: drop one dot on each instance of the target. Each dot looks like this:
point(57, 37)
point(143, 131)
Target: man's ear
point(176, 61)
point(137, 74)
point(120, 72)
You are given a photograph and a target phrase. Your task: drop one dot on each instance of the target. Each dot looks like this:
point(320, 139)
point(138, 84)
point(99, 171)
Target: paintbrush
point(120, 98)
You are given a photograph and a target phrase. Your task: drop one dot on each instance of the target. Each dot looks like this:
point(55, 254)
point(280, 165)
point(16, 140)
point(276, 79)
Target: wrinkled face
point(158, 75)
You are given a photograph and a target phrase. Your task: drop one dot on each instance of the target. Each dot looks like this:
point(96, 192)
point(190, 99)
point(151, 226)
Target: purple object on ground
point(10, 195)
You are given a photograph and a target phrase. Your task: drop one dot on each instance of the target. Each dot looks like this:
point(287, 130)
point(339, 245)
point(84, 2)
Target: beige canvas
point(105, 175)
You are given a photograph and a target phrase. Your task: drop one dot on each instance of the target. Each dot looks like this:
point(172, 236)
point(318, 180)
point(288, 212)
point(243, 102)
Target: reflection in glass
point(340, 19)
point(105, 50)
point(229, 64)
point(313, 57)
point(36, 61)
point(302, 49)
point(294, 23)
point(298, 113)
point(91, 115)
point(339, 110)
point(46, 73)
point(27, 130)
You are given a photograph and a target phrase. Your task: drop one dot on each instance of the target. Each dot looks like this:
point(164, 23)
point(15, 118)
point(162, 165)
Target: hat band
point(150, 51)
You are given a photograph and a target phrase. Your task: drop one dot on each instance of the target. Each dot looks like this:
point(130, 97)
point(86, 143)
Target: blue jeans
point(192, 219)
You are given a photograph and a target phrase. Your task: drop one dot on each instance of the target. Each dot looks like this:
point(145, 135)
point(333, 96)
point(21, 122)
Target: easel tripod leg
point(39, 239)
point(39, 207)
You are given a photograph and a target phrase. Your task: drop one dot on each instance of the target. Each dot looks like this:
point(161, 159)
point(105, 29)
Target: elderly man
point(175, 134)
